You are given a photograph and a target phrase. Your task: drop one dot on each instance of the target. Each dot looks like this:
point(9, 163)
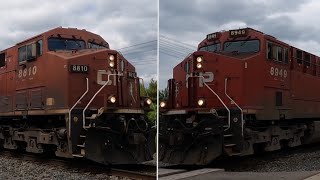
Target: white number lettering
point(27, 72)
point(20, 73)
point(34, 70)
point(285, 74)
point(272, 71)
point(278, 72)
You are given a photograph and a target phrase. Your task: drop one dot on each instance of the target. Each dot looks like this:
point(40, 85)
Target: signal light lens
point(199, 59)
point(148, 101)
point(112, 99)
point(162, 104)
point(201, 102)
point(111, 64)
point(199, 65)
point(111, 57)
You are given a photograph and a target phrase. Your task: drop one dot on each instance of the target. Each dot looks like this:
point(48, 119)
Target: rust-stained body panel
point(85, 95)
point(49, 76)
point(252, 80)
point(257, 89)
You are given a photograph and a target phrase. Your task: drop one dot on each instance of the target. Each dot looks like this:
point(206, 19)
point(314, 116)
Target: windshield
point(95, 46)
point(65, 44)
point(242, 46)
point(211, 48)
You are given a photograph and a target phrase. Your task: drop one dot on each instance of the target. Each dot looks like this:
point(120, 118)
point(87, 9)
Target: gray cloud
point(189, 21)
point(121, 23)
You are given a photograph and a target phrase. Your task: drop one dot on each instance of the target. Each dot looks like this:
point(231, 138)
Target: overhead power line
point(178, 42)
point(136, 45)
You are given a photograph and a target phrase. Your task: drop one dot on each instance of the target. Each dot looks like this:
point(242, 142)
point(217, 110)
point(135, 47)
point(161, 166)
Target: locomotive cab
point(220, 95)
point(85, 95)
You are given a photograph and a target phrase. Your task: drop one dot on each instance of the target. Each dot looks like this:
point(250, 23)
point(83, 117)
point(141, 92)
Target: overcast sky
point(121, 23)
point(189, 21)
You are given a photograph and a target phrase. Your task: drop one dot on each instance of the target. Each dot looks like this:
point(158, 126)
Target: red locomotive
point(65, 91)
point(242, 92)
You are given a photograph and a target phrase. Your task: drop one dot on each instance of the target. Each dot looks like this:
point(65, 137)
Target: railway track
point(298, 159)
point(143, 172)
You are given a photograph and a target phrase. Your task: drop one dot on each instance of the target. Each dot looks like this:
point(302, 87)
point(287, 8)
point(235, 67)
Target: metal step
point(222, 117)
point(235, 154)
point(81, 145)
point(93, 116)
point(77, 155)
point(227, 135)
point(229, 145)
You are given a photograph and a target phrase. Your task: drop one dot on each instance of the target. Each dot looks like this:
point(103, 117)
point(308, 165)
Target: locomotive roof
point(61, 30)
point(58, 30)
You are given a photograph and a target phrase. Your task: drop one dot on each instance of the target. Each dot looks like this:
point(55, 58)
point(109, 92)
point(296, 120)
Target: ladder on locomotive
point(87, 120)
point(233, 123)
point(233, 132)
point(79, 150)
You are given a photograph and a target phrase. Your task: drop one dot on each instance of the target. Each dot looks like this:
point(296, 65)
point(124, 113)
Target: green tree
point(163, 94)
point(151, 92)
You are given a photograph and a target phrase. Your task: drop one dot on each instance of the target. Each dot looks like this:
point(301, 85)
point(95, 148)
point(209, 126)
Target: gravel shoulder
point(255, 175)
point(304, 158)
point(18, 167)
point(287, 164)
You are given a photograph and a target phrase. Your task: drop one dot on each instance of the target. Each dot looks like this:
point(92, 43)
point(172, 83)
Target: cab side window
point(186, 67)
point(307, 59)
point(2, 59)
point(286, 55)
point(22, 53)
point(299, 56)
point(30, 51)
point(39, 48)
point(269, 51)
point(277, 53)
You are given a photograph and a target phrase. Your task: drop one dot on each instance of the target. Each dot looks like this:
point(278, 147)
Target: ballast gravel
point(304, 158)
point(18, 168)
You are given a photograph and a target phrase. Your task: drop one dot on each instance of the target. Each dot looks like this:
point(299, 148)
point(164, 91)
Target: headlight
point(112, 99)
point(111, 57)
point(148, 101)
point(199, 65)
point(199, 59)
point(162, 104)
point(111, 64)
point(201, 102)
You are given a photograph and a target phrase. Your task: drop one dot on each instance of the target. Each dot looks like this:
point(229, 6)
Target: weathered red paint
point(250, 81)
point(47, 81)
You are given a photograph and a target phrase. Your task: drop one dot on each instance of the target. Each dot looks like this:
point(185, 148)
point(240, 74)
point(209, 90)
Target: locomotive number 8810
point(65, 91)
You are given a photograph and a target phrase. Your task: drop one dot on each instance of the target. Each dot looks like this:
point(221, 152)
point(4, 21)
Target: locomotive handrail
point(84, 110)
point(225, 106)
point(75, 104)
point(225, 91)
